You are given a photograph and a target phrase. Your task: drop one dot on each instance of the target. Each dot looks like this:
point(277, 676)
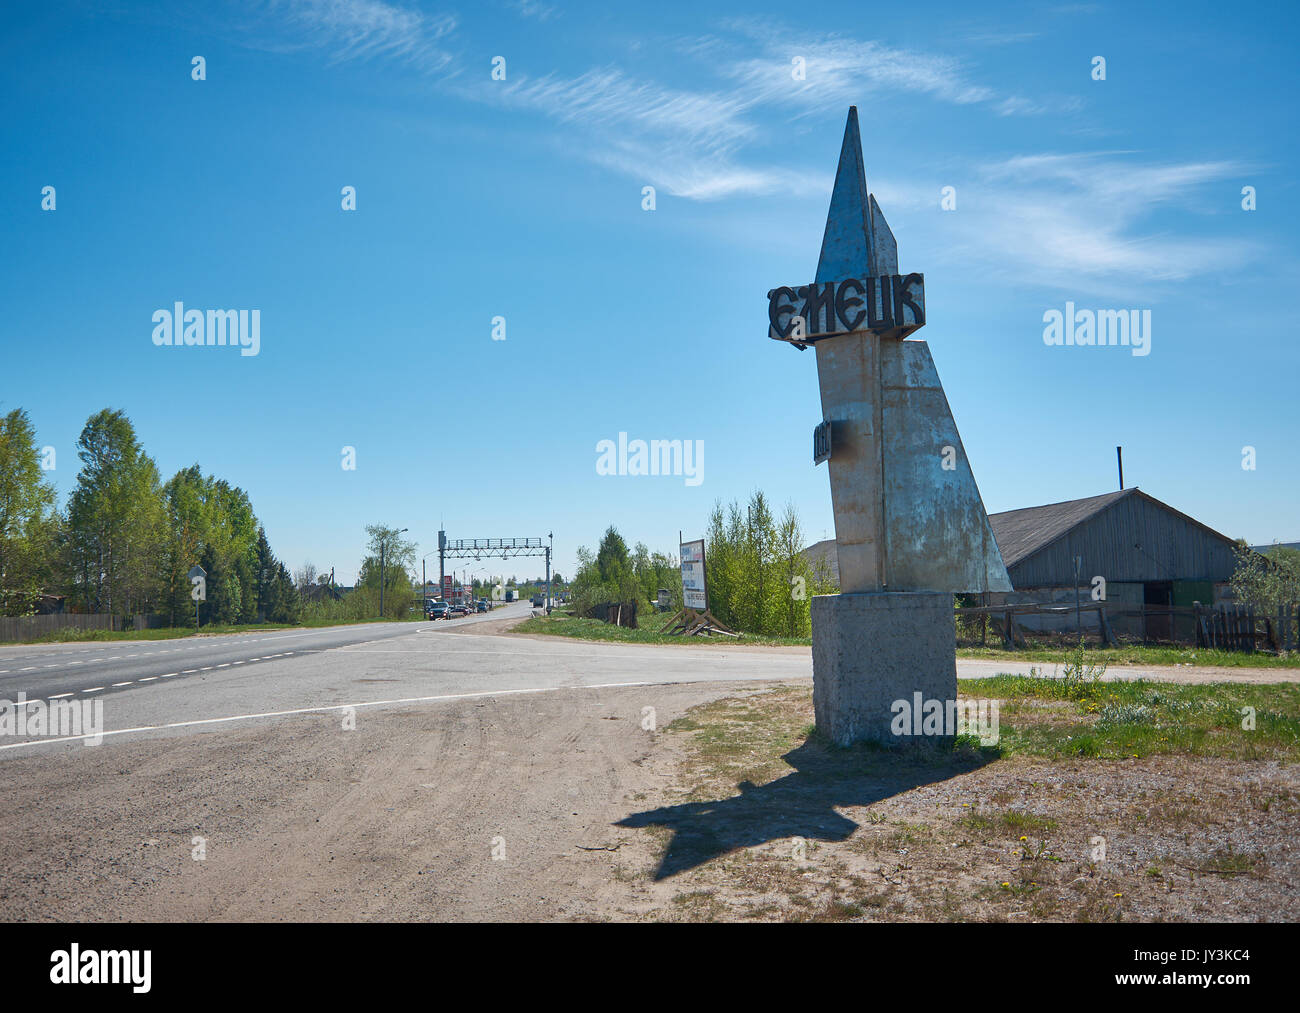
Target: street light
point(424, 575)
point(381, 572)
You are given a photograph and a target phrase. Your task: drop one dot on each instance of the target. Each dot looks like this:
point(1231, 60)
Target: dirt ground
point(593, 817)
point(396, 820)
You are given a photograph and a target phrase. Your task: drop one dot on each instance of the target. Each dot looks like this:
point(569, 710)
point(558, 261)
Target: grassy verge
point(1138, 654)
point(1037, 717)
point(73, 636)
point(650, 632)
point(1132, 720)
point(769, 821)
point(562, 624)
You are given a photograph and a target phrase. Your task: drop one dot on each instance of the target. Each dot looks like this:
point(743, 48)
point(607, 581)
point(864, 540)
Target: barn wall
point(1172, 548)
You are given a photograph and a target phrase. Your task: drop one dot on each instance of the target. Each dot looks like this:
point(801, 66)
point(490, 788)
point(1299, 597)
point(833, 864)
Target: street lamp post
point(424, 574)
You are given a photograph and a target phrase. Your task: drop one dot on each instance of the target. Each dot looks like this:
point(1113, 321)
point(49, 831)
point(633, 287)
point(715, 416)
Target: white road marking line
point(322, 710)
point(127, 683)
point(149, 678)
point(188, 671)
point(27, 669)
point(207, 669)
point(226, 665)
point(236, 662)
point(168, 675)
point(93, 689)
point(59, 696)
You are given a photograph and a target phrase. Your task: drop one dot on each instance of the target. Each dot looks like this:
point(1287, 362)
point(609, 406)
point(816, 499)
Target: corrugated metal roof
point(1021, 533)
point(827, 549)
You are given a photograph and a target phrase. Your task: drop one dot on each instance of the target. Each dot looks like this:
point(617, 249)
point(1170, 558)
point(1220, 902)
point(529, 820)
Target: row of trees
point(125, 541)
point(759, 581)
point(1266, 579)
point(615, 574)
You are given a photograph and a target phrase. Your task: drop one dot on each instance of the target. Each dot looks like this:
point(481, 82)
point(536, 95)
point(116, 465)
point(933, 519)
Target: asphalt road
point(190, 686)
point(195, 685)
point(56, 671)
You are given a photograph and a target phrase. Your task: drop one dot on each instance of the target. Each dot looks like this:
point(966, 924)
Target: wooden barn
point(1148, 554)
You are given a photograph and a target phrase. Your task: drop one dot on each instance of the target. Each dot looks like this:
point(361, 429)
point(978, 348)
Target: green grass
point(73, 636)
point(650, 632)
point(1137, 654)
point(1122, 720)
point(562, 624)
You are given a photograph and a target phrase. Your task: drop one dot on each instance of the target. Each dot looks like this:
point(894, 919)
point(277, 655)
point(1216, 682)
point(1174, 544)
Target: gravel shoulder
point(301, 820)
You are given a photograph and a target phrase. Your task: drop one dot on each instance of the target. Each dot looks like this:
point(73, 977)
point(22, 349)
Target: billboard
point(694, 592)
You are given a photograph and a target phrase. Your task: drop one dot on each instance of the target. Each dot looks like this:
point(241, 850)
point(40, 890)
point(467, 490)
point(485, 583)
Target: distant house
point(1147, 552)
point(322, 592)
point(49, 604)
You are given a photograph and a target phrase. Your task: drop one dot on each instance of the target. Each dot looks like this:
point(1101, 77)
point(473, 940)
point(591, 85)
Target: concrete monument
point(910, 526)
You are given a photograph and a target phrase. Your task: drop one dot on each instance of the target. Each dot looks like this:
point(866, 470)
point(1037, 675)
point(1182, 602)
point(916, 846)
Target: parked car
point(481, 605)
point(539, 600)
point(438, 609)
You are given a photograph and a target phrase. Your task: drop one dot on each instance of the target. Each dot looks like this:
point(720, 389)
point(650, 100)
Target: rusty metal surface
point(937, 532)
point(848, 370)
point(857, 239)
point(903, 520)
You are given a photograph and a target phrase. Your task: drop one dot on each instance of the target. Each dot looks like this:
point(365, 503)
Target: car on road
point(437, 610)
point(539, 600)
point(481, 605)
point(460, 610)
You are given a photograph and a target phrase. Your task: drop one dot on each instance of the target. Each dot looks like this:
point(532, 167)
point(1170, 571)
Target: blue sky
point(522, 198)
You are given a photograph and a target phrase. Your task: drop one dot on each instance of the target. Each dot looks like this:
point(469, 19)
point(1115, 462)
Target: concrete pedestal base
point(870, 650)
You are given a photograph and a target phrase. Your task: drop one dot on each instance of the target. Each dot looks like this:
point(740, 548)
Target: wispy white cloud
point(691, 140)
point(1083, 222)
point(1000, 38)
point(607, 97)
point(534, 9)
point(837, 70)
point(680, 171)
point(367, 29)
point(1079, 221)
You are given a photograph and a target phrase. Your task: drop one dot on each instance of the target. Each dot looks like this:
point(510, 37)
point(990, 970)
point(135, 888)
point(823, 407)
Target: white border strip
point(320, 710)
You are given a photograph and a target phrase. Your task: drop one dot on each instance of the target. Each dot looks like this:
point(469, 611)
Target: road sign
point(822, 442)
point(694, 592)
point(196, 571)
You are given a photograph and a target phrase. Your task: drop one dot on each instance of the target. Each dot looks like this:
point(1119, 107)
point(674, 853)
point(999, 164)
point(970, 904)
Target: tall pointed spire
point(857, 242)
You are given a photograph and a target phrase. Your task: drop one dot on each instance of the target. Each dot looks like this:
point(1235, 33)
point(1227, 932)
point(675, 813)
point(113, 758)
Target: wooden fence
point(1241, 628)
point(1002, 620)
point(31, 627)
point(1225, 627)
